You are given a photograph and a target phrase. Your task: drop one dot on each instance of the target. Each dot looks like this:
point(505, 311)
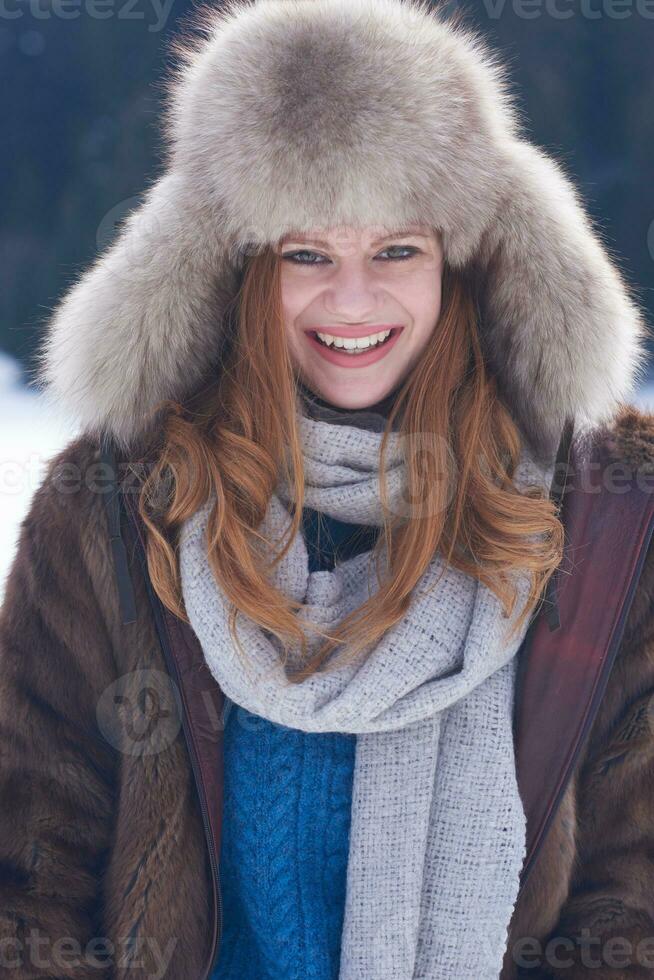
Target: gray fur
point(304, 113)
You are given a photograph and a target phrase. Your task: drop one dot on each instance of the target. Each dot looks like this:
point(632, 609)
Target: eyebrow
point(399, 232)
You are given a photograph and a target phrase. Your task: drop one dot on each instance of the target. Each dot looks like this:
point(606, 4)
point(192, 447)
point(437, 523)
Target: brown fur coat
point(103, 866)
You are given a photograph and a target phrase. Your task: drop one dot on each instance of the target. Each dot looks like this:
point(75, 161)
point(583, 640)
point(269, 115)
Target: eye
point(404, 248)
point(293, 257)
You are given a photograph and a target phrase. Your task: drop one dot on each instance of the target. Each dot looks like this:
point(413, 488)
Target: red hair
point(231, 438)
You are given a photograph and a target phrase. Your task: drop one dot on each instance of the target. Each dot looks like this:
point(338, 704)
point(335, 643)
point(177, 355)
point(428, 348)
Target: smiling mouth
point(356, 351)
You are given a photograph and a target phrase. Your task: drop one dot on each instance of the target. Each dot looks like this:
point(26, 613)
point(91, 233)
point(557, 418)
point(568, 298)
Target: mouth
point(354, 356)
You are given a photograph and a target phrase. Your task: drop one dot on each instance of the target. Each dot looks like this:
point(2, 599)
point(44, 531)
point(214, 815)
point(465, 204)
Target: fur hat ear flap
point(143, 322)
point(560, 329)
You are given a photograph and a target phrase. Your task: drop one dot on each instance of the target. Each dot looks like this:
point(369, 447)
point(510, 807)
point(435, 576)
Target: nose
point(351, 294)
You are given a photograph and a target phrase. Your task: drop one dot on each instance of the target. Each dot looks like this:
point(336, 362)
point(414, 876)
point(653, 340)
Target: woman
point(340, 552)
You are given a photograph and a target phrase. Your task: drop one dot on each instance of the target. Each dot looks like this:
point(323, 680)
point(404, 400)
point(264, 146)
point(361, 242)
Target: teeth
point(352, 343)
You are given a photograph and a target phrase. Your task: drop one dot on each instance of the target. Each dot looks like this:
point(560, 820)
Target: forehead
point(370, 235)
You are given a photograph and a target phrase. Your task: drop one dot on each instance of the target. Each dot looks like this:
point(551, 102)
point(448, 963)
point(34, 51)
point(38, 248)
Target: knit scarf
point(438, 830)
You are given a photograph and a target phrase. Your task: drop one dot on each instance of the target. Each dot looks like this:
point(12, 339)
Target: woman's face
point(348, 285)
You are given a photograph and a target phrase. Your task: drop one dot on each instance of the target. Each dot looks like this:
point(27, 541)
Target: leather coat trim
point(563, 673)
point(200, 697)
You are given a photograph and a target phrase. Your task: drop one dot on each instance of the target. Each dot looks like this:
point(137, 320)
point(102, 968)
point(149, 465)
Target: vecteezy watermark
point(25, 474)
point(156, 11)
point(591, 952)
point(140, 712)
point(565, 9)
point(42, 952)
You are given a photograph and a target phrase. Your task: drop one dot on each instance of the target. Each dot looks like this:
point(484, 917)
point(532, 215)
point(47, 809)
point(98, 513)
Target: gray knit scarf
point(438, 831)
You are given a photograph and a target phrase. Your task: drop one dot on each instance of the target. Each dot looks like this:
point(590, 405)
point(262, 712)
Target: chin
point(377, 402)
point(353, 399)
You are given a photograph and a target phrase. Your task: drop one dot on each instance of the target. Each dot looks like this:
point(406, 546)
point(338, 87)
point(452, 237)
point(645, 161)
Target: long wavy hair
point(239, 432)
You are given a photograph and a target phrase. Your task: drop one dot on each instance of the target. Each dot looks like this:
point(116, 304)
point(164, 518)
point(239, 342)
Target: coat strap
point(126, 597)
point(557, 493)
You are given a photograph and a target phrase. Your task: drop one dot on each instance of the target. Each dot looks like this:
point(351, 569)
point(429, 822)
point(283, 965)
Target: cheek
point(424, 305)
point(295, 297)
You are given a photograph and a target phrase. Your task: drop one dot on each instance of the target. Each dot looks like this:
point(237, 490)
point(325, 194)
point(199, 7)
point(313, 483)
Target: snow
point(32, 433)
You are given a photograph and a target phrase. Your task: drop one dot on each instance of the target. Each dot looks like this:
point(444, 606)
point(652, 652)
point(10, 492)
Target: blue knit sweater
point(286, 822)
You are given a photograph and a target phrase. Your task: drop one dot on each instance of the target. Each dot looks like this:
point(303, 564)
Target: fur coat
point(103, 855)
point(283, 113)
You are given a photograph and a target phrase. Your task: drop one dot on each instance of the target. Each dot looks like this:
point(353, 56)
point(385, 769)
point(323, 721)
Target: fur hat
point(299, 114)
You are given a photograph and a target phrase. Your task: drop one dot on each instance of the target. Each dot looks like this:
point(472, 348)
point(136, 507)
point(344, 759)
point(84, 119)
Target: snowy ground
point(30, 434)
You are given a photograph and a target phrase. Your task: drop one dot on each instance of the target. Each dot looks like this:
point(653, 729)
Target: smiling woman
point(341, 172)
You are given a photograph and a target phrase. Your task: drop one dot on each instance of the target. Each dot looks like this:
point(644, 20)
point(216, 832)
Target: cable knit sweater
point(286, 821)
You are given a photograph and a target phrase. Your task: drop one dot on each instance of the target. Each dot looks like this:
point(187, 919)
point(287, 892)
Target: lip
point(355, 360)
